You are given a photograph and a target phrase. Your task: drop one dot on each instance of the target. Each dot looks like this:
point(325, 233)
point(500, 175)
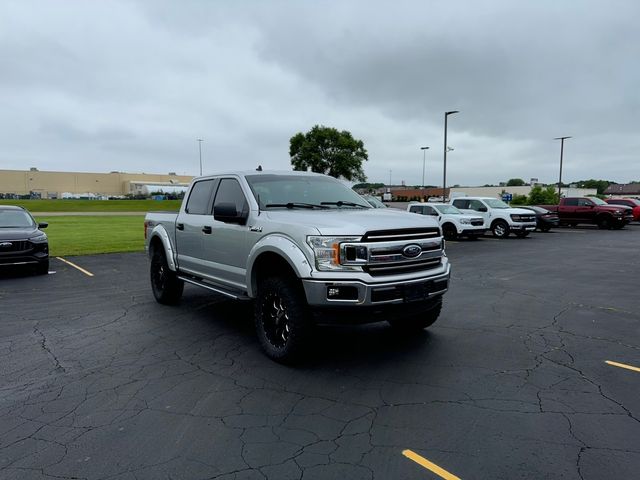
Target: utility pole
point(562, 139)
point(424, 157)
point(444, 174)
point(200, 153)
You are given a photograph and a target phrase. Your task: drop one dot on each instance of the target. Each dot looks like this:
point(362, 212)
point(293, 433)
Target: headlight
point(617, 212)
point(41, 237)
point(327, 252)
point(516, 218)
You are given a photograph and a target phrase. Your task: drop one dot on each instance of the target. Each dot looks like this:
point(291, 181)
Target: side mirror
point(226, 212)
point(43, 225)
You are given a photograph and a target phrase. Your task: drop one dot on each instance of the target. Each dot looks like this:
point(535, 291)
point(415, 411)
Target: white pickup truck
point(305, 248)
point(498, 216)
point(453, 222)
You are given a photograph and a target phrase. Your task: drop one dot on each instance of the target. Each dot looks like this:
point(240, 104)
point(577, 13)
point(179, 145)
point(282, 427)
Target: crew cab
point(453, 222)
point(591, 210)
point(499, 217)
point(305, 249)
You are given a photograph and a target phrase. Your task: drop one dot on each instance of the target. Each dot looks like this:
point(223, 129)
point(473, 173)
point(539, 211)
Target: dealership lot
point(99, 381)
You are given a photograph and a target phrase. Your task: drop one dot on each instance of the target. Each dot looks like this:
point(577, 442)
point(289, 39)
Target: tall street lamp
point(562, 139)
point(444, 177)
point(200, 152)
point(424, 157)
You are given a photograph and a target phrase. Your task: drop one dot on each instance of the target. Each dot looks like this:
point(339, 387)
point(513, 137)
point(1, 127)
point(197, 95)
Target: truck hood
point(351, 222)
point(518, 211)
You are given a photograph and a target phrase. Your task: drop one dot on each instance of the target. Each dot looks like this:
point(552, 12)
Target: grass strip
point(142, 206)
point(88, 235)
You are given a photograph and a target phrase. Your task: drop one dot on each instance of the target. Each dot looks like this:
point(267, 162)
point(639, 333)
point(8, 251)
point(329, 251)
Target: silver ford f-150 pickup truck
point(303, 246)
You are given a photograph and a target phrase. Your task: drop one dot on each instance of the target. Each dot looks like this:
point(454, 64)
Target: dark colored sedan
point(544, 218)
point(21, 240)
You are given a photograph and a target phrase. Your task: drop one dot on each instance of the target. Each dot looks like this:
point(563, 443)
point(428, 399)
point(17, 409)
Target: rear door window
point(571, 202)
point(461, 203)
point(199, 202)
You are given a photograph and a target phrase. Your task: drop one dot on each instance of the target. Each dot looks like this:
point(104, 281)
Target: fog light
point(342, 293)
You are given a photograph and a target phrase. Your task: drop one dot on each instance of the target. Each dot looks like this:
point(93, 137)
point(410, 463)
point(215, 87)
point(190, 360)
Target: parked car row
point(472, 216)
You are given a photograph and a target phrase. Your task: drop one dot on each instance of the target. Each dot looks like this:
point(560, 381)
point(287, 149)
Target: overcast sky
point(130, 85)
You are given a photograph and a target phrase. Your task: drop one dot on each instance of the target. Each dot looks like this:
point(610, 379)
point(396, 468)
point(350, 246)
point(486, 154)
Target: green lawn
point(35, 206)
point(74, 235)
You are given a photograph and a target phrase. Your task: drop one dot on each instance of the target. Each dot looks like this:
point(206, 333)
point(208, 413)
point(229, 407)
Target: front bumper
point(358, 294)
point(522, 227)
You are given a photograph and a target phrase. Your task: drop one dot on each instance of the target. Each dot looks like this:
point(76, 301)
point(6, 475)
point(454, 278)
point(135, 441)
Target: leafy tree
point(519, 200)
point(515, 182)
point(599, 185)
point(546, 196)
point(368, 186)
point(326, 150)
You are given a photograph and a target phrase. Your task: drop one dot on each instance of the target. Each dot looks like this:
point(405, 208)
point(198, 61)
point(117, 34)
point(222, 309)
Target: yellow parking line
point(441, 472)
point(75, 266)
point(622, 365)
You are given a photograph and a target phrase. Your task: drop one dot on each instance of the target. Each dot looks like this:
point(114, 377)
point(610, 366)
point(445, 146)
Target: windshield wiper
point(340, 203)
point(295, 205)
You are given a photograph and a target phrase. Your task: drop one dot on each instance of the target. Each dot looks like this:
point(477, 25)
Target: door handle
point(206, 229)
point(180, 226)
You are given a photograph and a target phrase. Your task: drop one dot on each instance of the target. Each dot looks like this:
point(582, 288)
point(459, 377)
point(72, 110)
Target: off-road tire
point(500, 229)
point(449, 231)
point(282, 318)
point(166, 286)
point(415, 323)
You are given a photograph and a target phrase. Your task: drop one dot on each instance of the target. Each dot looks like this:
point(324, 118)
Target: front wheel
point(500, 229)
point(282, 319)
point(419, 321)
point(604, 223)
point(166, 286)
point(449, 231)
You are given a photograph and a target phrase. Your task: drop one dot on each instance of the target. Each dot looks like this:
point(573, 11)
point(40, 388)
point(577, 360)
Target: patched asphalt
point(99, 381)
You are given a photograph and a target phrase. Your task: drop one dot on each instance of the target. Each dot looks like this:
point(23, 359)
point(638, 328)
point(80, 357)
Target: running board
point(221, 291)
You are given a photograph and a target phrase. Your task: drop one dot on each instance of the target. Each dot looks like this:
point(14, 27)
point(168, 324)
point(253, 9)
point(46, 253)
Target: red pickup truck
point(591, 210)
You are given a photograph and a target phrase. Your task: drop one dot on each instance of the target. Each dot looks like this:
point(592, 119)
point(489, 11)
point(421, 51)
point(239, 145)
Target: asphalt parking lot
point(99, 381)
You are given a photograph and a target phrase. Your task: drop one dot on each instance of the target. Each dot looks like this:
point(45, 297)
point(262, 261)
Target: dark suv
point(21, 240)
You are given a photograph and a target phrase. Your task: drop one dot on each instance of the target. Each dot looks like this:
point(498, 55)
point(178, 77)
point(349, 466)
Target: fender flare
point(160, 232)
point(283, 247)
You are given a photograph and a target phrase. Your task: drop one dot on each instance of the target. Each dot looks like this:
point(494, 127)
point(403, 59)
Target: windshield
point(597, 201)
point(495, 203)
point(374, 202)
point(15, 219)
point(450, 209)
point(292, 191)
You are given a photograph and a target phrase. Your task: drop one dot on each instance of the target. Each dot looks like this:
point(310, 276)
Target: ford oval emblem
point(412, 251)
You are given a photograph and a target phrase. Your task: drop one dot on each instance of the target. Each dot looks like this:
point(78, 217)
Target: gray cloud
point(106, 86)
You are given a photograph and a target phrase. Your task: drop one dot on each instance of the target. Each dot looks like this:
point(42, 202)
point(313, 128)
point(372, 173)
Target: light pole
point(424, 157)
point(200, 152)
point(444, 175)
point(562, 139)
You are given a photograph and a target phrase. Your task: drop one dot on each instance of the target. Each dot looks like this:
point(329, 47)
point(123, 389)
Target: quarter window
point(571, 202)
point(475, 205)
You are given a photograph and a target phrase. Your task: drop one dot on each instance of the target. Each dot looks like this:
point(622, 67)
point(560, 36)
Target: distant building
point(623, 190)
point(45, 184)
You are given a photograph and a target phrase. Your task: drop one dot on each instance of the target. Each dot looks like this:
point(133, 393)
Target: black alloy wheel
point(166, 286)
point(282, 318)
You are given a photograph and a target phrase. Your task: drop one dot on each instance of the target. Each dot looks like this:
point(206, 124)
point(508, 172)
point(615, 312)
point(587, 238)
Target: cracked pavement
point(98, 381)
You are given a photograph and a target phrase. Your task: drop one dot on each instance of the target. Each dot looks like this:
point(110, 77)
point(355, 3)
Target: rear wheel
point(282, 318)
point(500, 229)
point(449, 231)
point(419, 321)
point(166, 286)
